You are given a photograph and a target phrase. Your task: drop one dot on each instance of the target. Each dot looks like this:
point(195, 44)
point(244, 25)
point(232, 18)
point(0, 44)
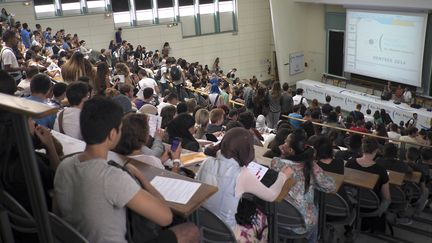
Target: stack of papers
point(258, 170)
point(175, 190)
point(154, 123)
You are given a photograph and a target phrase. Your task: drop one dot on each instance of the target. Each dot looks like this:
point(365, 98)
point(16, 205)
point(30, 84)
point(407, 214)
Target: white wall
point(299, 27)
point(247, 50)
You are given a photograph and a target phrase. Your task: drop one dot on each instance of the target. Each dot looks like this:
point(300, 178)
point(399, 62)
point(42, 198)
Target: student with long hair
point(101, 81)
point(308, 176)
point(229, 172)
point(74, 68)
point(275, 101)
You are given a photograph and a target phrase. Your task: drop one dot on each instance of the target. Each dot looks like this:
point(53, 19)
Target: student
point(134, 135)
point(8, 58)
point(357, 114)
point(381, 188)
point(170, 99)
point(412, 160)
point(228, 171)
point(59, 94)
point(296, 114)
point(247, 119)
point(287, 100)
point(327, 108)
point(217, 117)
point(354, 148)
point(40, 88)
point(308, 176)
point(146, 82)
point(393, 133)
point(202, 117)
point(88, 188)
point(275, 101)
point(183, 127)
point(67, 121)
point(389, 160)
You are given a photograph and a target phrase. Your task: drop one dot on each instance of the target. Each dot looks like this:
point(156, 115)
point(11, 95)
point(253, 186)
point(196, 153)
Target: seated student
point(411, 137)
point(393, 133)
point(201, 122)
point(390, 161)
point(359, 127)
point(88, 188)
point(170, 99)
point(296, 114)
point(412, 160)
point(40, 88)
point(183, 127)
point(228, 171)
point(327, 108)
point(247, 119)
point(67, 121)
point(134, 135)
point(354, 148)
point(181, 108)
point(24, 86)
point(59, 94)
point(217, 117)
point(308, 176)
point(279, 139)
point(325, 157)
point(261, 125)
point(381, 189)
point(13, 179)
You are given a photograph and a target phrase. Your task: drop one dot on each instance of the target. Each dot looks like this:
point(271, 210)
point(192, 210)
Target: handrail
point(326, 125)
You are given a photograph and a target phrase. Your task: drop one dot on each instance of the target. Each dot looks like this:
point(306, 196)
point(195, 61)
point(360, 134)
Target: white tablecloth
point(348, 99)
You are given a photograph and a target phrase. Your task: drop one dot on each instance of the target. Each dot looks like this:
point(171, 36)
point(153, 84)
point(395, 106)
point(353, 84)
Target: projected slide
point(385, 45)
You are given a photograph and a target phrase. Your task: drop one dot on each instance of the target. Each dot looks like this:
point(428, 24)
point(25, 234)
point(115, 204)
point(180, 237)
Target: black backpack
point(158, 75)
point(175, 73)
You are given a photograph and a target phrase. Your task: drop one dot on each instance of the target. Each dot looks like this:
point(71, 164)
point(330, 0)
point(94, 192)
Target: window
point(187, 17)
point(226, 16)
point(44, 8)
point(165, 11)
point(144, 12)
point(71, 7)
point(207, 16)
point(97, 6)
point(122, 16)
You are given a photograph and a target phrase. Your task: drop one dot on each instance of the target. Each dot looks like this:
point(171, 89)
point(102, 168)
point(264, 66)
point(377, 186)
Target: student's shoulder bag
point(139, 229)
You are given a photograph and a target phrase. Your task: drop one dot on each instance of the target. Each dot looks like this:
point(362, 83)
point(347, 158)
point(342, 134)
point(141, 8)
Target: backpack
point(158, 75)
point(175, 74)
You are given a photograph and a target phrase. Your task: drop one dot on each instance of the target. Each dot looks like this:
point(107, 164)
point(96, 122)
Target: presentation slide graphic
point(388, 46)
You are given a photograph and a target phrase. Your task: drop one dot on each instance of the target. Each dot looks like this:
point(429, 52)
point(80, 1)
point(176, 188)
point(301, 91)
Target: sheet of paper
point(70, 144)
point(257, 170)
point(154, 123)
point(175, 190)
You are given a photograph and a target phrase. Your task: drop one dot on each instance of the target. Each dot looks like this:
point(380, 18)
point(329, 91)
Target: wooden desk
point(338, 178)
point(25, 107)
point(204, 192)
point(414, 176)
point(396, 178)
point(360, 178)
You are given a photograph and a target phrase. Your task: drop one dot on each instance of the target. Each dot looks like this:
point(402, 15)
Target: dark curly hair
point(134, 133)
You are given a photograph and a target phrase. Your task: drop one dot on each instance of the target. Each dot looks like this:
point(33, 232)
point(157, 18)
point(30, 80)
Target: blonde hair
point(201, 121)
point(74, 68)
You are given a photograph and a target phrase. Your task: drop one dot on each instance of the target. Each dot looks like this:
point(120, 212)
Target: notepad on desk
point(175, 190)
point(192, 158)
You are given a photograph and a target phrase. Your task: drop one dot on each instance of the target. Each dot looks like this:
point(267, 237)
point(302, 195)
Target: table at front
point(203, 193)
point(348, 99)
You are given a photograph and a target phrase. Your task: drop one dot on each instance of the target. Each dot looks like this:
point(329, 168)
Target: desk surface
point(204, 192)
point(360, 178)
point(25, 107)
point(396, 178)
point(338, 178)
point(414, 176)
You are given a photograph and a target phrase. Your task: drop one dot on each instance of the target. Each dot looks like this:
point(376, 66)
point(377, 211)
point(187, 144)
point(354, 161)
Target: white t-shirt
point(146, 83)
point(24, 87)
point(9, 58)
point(297, 99)
point(163, 70)
point(148, 159)
point(393, 135)
point(92, 197)
point(71, 122)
